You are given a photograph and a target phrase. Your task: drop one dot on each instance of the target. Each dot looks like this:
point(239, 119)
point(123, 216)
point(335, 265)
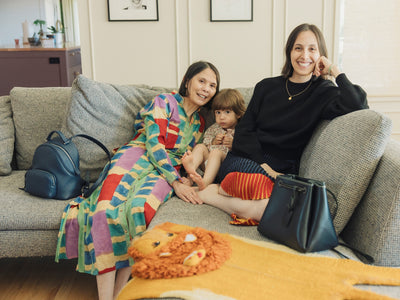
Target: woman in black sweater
point(279, 122)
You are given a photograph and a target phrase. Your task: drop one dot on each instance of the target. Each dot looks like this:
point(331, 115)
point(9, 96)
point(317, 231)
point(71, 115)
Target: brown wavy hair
point(287, 69)
point(229, 99)
point(192, 71)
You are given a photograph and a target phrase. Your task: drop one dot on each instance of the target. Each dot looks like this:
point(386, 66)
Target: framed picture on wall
point(132, 10)
point(231, 10)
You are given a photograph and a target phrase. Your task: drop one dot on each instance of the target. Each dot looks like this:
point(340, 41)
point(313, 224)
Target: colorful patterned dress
point(98, 230)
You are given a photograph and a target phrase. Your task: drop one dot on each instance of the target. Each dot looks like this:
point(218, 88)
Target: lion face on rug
point(168, 252)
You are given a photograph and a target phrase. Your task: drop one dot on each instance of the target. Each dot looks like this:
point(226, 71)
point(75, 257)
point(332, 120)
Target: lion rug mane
point(173, 250)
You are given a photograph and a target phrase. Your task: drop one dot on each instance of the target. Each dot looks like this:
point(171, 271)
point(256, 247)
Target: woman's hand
point(271, 172)
point(186, 193)
point(324, 66)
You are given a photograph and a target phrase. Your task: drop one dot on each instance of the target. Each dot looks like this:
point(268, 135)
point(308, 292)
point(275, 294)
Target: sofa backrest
point(102, 110)
point(36, 111)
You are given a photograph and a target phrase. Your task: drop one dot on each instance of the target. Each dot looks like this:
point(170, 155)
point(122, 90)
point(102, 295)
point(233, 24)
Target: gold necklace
point(290, 95)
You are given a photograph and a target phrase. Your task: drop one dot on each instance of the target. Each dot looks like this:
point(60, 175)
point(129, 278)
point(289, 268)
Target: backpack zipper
point(69, 157)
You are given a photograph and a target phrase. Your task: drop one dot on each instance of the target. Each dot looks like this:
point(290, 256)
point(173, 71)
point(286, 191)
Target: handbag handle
point(334, 198)
point(301, 189)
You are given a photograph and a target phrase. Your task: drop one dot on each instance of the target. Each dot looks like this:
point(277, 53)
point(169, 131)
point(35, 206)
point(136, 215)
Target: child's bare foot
point(187, 162)
point(198, 180)
point(187, 181)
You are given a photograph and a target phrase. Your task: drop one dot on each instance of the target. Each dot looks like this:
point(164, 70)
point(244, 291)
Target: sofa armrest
point(7, 135)
point(374, 226)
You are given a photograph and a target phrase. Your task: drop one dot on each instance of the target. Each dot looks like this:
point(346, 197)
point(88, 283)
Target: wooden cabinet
point(38, 67)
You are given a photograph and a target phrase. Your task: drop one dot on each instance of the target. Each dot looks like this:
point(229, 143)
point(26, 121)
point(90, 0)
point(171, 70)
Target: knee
point(217, 154)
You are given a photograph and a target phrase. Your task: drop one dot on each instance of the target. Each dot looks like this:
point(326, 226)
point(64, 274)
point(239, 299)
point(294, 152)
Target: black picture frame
point(140, 10)
point(231, 11)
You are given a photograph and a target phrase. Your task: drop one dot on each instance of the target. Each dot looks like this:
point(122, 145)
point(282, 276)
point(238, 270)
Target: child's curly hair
point(229, 99)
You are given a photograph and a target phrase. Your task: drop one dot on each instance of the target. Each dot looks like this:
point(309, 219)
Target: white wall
point(158, 53)
point(12, 14)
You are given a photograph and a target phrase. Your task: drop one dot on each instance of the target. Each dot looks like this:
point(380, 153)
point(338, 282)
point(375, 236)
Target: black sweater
point(281, 128)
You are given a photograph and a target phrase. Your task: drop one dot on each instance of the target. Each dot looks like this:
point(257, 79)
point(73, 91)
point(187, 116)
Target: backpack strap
point(92, 139)
point(62, 136)
point(86, 190)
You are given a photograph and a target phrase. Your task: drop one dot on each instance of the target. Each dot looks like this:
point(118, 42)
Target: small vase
point(59, 39)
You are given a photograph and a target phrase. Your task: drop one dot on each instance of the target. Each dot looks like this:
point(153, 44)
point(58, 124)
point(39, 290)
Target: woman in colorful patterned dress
point(143, 174)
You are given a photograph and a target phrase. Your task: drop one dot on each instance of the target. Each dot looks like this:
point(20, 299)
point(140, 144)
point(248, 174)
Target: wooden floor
point(44, 279)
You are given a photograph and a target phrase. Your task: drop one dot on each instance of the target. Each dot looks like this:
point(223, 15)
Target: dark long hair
point(287, 69)
point(192, 71)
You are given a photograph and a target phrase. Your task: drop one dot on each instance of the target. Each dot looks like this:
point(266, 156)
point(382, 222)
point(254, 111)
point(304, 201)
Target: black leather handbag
point(298, 215)
point(55, 170)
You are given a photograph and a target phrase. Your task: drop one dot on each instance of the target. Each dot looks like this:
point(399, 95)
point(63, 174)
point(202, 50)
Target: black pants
point(233, 163)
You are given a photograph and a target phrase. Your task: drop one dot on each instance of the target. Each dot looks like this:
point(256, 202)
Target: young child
point(228, 107)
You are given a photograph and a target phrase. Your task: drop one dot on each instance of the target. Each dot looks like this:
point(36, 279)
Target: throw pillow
point(6, 135)
point(36, 112)
point(344, 153)
point(106, 112)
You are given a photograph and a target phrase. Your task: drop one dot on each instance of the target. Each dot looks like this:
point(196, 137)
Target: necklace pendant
point(290, 98)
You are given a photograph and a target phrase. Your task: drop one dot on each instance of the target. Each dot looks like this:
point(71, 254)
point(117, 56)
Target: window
point(369, 45)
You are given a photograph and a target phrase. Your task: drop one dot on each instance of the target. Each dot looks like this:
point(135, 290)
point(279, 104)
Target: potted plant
point(41, 23)
point(58, 33)
point(35, 39)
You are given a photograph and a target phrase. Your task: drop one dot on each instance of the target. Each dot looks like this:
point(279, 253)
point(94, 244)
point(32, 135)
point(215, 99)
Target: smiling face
point(304, 55)
point(202, 87)
point(226, 118)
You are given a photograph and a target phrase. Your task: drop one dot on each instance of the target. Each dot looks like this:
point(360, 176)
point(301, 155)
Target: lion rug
point(177, 261)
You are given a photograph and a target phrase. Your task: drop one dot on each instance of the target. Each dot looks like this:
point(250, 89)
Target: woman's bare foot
point(208, 194)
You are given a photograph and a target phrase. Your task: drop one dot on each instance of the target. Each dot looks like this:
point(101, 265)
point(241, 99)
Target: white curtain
point(71, 21)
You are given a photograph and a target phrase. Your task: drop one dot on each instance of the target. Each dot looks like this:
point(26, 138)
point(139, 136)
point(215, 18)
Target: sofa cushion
point(36, 112)
point(344, 153)
point(21, 211)
point(6, 135)
point(106, 112)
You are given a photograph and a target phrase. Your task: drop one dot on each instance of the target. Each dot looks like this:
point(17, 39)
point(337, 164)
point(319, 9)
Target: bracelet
point(330, 70)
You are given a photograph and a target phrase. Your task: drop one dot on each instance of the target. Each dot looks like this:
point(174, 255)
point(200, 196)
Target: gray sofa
point(353, 154)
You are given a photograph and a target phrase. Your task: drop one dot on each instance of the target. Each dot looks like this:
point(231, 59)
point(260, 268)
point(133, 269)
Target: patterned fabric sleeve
point(156, 118)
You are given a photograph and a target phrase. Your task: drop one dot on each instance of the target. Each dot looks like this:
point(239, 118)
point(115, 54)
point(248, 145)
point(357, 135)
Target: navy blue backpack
point(55, 173)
